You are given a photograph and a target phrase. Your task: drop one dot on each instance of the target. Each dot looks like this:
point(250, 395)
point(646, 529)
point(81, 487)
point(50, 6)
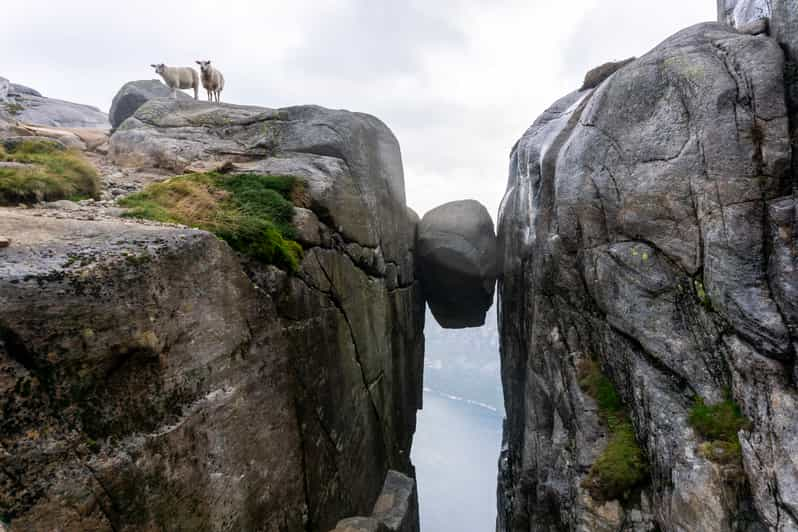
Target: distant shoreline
point(479, 404)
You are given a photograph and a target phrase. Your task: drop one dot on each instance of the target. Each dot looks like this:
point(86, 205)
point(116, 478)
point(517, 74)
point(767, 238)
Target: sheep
point(179, 78)
point(212, 80)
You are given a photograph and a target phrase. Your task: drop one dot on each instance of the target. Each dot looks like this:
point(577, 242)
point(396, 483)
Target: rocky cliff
point(153, 378)
point(647, 304)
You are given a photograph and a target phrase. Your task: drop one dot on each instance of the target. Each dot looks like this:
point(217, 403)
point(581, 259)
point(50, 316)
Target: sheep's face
point(159, 69)
point(204, 65)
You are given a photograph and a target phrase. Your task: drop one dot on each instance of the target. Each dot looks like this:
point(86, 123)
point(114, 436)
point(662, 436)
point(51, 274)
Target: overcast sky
point(458, 81)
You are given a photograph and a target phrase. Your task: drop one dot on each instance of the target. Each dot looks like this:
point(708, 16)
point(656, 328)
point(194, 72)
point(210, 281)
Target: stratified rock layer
point(648, 224)
point(150, 378)
point(456, 253)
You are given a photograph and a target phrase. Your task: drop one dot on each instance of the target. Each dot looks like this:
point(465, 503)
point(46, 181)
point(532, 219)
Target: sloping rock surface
point(29, 106)
point(151, 378)
point(648, 224)
point(350, 161)
point(134, 94)
point(456, 253)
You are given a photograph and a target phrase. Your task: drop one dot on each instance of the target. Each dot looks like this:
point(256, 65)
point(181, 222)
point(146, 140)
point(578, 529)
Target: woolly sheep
point(212, 80)
point(179, 78)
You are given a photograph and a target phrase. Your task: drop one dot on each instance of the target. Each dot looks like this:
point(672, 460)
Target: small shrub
point(54, 174)
point(719, 424)
point(250, 212)
point(621, 466)
point(599, 387)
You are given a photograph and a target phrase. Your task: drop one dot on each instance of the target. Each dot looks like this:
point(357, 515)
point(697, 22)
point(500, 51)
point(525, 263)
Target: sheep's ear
point(198, 62)
point(154, 66)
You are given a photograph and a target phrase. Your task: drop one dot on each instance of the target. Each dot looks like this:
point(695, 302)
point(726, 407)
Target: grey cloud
point(616, 29)
point(367, 39)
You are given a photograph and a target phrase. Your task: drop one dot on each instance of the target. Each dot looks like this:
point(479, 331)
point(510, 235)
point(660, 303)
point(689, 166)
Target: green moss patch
point(253, 213)
point(622, 466)
point(719, 425)
point(50, 173)
point(13, 108)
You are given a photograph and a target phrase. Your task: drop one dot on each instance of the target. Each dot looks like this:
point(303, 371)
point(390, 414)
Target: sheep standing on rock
point(179, 78)
point(212, 80)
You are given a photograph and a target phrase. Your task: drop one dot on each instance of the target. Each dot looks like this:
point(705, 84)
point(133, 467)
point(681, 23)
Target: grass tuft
point(253, 213)
point(13, 108)
point(621, 466)
point(54, 174)
point(719, 425)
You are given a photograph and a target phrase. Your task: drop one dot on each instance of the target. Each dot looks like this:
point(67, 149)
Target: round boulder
point(134, 94)
point(457, 263)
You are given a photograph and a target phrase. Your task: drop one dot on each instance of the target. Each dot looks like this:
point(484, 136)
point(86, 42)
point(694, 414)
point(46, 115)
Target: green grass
point(621, 466)
point(253, 213)
point(54, 174)
point(14, 108)
point(719, 424)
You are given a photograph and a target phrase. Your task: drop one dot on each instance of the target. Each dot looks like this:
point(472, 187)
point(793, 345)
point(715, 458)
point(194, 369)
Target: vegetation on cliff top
point(44, 171)
point(719, 425)
point(621, 466)
point(253, 213)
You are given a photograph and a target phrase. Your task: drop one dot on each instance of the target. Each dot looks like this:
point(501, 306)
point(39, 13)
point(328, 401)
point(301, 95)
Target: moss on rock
point(44, 171)
point(622, 466)
point(719, 425)
point(253, 213)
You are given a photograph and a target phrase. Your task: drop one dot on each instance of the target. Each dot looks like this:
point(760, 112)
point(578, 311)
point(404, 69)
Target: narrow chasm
point(458, 436)
point(459, 431)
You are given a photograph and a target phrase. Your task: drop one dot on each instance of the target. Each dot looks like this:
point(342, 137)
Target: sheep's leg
point(174, 93)
point(196, 92)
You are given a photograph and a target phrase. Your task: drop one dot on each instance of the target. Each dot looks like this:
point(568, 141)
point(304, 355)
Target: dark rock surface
point(21, 90)
point(782, 18)
point(457, 263)
point(648, 224)
point(150, 378)
point(598, 75)
point(134, 94)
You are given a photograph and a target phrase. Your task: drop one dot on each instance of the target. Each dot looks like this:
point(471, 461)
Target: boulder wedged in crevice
point(457, 263)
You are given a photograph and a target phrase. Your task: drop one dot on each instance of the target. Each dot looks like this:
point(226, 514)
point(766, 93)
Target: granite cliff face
point(647, 234)
point(152, 378)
